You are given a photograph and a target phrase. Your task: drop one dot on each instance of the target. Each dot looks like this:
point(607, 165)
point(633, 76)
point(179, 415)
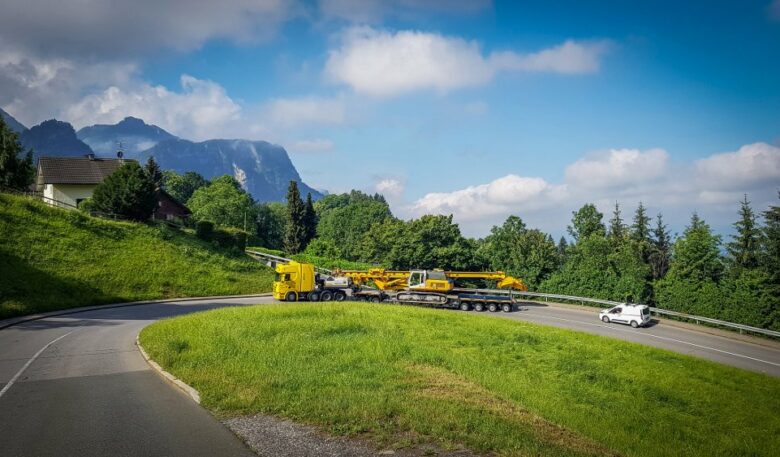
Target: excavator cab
point(417, 279)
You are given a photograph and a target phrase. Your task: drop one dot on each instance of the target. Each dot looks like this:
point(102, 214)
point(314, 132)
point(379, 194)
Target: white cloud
point(498, 197)
point(130, 28)
point(752, 165)
point(291, 112)
point(383, 63)
point(571, 57)
point(310, 146)
point(201, 110)
point(617, 168)
point(393, 189)
point(713, 186)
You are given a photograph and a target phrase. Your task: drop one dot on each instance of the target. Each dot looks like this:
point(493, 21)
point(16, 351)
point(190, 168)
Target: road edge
point(5, 323)
point(178, 383)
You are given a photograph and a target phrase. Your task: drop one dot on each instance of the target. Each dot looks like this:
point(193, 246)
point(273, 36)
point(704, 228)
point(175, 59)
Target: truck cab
point(293, 281)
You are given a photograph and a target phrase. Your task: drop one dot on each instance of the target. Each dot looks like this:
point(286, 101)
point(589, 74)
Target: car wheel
point(339, 296)
point(291, 296)
point(634, 324)
point(605, 319)
point(506, 307)
point(492, 307)
point(326, 295)
point(465, 306)
point(479, 307)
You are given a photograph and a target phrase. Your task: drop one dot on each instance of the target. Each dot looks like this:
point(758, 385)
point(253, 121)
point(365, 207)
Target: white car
point(633, 315)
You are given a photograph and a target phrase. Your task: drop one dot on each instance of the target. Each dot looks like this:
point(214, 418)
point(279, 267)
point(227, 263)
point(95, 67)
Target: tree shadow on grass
point(26, 289)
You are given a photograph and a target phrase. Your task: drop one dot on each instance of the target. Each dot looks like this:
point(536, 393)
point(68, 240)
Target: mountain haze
point(15, 125)
point(262, 168)
point(134, 134)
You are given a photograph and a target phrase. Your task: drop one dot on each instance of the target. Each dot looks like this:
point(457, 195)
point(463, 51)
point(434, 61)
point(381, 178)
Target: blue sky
point(478, 109)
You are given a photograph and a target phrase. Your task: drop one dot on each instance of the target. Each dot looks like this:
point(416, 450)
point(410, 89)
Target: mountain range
point(263, 169)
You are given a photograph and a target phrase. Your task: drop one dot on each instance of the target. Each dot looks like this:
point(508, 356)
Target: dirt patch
point(272, 437)
point(439, 383)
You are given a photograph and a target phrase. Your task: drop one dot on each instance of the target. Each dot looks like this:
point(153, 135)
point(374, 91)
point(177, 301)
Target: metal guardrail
point(271, 260)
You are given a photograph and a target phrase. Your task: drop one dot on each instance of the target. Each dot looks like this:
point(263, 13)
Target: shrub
point(204, 230)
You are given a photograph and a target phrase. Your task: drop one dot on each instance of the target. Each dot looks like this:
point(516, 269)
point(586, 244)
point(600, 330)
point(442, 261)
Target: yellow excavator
point(298, 281)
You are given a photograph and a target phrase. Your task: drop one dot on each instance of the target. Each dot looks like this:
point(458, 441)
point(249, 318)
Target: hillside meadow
point(53, 259)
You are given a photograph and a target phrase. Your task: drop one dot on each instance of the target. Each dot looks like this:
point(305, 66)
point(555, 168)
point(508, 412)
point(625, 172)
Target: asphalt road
point(77, 385)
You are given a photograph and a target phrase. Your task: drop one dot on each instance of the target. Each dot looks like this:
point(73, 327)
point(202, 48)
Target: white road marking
point(660, 338)
point(19, 373)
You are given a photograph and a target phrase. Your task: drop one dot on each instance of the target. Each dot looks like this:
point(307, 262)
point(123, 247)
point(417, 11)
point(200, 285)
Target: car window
point(618, 310)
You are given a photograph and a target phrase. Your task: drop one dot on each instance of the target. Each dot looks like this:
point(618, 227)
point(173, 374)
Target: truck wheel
point(605, 319)
point(339, 296)
point(479, 306)
point(465, 306)
point(314, 296)
point(506, 307)
point(634, 324)
point(291, 296)
point(326, 295)
point(492, 307)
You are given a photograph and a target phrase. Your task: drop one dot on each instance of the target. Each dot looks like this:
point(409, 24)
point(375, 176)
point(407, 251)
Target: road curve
point(77, 385)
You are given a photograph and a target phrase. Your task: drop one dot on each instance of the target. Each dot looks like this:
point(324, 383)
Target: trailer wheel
point(479, 306)
point(326, 295)
point(374, 299)
point(339, 296)
point(314, 296)
point(506, 307)
point(291, 296)
point(492, 307)
point(465, 306)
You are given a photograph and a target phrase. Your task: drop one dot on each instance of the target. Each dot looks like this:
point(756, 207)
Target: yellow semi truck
point(297, 281)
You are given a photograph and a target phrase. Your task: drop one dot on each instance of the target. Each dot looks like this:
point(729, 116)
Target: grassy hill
point(53, 259)
point(400, 375)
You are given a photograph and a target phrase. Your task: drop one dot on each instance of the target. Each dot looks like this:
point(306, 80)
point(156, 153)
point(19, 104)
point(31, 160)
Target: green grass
point(54, 259)
point(322, 262)
point(404, 375)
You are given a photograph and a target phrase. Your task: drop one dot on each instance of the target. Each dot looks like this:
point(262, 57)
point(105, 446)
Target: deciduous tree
point(16, 166)
point(128, 192)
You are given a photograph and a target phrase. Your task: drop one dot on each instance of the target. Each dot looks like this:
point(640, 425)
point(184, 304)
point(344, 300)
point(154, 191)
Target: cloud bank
point(714, 184)
point(382, 63)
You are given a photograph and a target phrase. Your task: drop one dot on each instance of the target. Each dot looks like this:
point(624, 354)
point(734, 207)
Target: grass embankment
point(399, 375)
point(54, 259)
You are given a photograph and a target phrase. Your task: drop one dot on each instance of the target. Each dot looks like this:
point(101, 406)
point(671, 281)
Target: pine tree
point(744, 247)
point(770, 252)
point(310, 219)
point(660, 256)
point(697, 254)
point(154, 172)
point(617, 229)
point(16, 171)
point(640, 230)
point(563, 247)
point(295, 233)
